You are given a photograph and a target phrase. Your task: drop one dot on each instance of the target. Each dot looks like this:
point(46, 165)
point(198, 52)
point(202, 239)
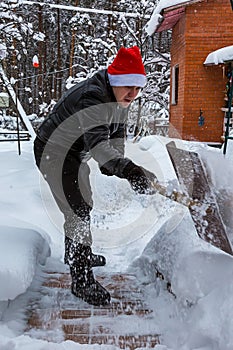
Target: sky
point(154, 231)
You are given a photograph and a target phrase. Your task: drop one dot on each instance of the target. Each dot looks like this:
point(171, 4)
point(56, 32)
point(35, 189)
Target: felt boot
point(84, 285)
point(70, 248)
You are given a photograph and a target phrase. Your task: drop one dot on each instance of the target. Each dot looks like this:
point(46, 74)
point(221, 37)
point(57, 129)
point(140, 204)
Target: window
point(175, 84)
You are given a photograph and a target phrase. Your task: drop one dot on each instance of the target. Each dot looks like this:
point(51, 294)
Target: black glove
point(139, 178)
point(105, 171)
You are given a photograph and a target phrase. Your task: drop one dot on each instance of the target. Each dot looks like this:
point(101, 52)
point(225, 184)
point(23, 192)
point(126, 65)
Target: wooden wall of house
point(205, 27)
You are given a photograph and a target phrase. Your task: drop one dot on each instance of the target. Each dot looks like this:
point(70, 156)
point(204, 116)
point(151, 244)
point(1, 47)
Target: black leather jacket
point(88, 121)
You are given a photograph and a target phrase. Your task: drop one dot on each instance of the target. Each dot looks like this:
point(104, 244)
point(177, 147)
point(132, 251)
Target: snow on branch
point(82, 9)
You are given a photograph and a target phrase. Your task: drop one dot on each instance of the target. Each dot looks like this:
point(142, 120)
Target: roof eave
point(166, 10)
point(183, 4)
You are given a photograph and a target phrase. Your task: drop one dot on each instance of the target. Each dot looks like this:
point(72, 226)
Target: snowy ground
point(135, 233)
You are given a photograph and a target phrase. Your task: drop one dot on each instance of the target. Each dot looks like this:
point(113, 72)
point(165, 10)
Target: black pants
point(68, 179)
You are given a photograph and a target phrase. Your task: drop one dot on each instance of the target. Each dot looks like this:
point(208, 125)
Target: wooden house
point(199, 27)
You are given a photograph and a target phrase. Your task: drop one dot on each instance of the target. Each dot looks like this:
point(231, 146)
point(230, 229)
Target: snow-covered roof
point(157, 16)
point(223, 55)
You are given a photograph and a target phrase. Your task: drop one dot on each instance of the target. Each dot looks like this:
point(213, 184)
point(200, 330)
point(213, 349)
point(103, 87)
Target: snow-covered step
point(127, 323)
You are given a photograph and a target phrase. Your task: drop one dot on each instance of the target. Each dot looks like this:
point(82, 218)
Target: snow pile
point(26, 343)
point(21, 251)
point(24, 226)
point(193, 267)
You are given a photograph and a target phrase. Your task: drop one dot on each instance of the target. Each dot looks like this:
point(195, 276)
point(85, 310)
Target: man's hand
point(139, 178)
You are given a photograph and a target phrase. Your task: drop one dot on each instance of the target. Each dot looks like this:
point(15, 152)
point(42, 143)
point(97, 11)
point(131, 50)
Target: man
point(89, 121)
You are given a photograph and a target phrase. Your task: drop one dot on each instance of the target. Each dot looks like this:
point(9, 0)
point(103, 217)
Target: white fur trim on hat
point(127, 80)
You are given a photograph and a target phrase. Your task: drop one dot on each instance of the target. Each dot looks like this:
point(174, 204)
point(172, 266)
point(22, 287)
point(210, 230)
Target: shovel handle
point(175, 195)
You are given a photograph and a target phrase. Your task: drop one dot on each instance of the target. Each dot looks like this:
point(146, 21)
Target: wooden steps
point(122, 323)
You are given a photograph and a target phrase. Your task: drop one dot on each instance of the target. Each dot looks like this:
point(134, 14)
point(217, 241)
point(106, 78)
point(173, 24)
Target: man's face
point(125, 94)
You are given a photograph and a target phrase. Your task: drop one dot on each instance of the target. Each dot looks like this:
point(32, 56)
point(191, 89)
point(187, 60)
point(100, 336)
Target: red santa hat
point(127, 68)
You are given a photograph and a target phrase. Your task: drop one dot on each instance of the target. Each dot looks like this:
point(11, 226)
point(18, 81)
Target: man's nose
point(133, 91)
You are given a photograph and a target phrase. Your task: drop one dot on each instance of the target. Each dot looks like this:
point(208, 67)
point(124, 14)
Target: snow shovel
point(197, 196)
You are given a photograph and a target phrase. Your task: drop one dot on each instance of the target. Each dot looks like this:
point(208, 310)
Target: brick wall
point(205, 27)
